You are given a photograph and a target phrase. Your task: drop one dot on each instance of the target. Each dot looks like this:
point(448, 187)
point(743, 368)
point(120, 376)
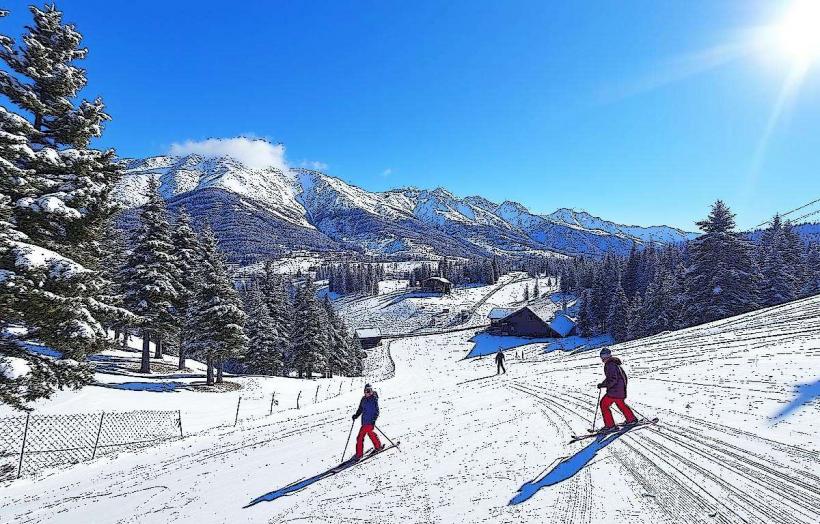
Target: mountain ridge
point(324, 213)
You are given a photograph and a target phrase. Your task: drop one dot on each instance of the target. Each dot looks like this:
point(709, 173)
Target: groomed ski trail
point(469, 445)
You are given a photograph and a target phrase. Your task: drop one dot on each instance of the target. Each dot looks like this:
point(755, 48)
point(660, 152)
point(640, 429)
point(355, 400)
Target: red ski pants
point(606, 402)
point(367, 429)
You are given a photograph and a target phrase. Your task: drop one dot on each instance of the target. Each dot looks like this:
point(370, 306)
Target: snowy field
point(736, 442)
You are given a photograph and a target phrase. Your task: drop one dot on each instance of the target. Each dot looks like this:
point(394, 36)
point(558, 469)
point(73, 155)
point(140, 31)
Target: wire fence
point(30, 442)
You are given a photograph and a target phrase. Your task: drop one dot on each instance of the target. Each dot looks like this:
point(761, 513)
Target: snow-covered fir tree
point(152, 276)
point(618, 318)
point(187, 253)
point(215, 320)
point(310, 334)
point(54, 207)
point(266, 347)
point(722, 277)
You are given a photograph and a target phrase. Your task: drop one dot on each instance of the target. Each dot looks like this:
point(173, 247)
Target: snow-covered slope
point(318, 212)
point(476, 447)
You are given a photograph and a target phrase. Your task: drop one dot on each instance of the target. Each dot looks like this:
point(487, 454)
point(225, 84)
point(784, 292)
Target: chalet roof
point(497, 313)
point(368, 333)
point(543, 310)
point(562, 324)
point(438, 279)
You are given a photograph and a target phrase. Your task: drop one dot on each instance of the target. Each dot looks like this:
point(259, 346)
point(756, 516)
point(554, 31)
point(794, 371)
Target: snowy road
point(472, 440)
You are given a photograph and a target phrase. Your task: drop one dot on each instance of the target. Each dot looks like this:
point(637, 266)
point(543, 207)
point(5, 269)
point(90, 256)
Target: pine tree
point(812, 285)
point(633, 325)
point(54, 207)
point(152, 275)
point(215, 319)
point(265, 353)
point(585, 321)
point(310, 338)
point(632, 273)
point(187, 258)
point(618, 318)
point(778, 269)
point(722, 278)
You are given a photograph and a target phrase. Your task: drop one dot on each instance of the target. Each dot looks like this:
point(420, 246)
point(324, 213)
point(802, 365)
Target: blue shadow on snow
point(805, 393)
point(487, 344)
point(574, 343)
point(159, 387)
point(567, 468)
point(299, 485)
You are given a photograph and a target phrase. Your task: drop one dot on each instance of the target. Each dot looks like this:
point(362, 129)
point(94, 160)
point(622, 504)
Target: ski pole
point(595, 416)
point(348, 439)
point(385, 436)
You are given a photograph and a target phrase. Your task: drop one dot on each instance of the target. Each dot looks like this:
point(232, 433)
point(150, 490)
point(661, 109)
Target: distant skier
point(499, 362)
point(369, 410)
point(615, 384)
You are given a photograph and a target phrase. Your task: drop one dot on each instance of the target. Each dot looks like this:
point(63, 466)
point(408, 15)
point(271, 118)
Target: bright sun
point(798, 33)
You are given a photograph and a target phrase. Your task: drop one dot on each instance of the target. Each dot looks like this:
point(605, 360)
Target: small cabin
point(369, 337)
point(537, 320)
point(437, 285)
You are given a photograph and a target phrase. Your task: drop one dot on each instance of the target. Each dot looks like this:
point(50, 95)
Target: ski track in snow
point(471, 440)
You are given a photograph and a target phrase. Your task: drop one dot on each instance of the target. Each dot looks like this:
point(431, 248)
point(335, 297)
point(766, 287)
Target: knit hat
point(606, 352)
point(368, 387)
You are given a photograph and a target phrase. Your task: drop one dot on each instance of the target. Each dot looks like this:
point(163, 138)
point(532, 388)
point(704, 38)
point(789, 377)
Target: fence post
point(272, 400)
point(316, 396)
point(340, 388)
point(297, 398)
point(236, 420)
point(97, 441)
point(23, 448)
point(179, 414)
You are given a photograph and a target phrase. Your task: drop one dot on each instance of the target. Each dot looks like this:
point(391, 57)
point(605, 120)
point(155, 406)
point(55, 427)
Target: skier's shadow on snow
point(567, 468)
point(299, 485)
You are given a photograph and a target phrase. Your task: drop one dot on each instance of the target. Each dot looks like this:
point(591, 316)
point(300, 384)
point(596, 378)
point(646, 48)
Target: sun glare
point(798, 33)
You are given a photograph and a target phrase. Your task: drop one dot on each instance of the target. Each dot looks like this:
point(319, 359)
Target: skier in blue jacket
point(369, 410)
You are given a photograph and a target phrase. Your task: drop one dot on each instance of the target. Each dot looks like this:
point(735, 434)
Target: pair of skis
point(618, 428)
point(349, 463)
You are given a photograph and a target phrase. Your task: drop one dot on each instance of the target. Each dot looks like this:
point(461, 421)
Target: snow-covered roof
point(438, 279)
point(562, 324)
point(368, 333)
point(543, 310)
point(497, 313)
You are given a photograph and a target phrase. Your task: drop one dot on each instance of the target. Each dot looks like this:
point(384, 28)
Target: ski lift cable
point(815, 212)
point(792, 211)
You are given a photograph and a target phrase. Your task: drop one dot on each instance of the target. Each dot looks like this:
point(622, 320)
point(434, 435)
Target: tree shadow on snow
point(160, 387)
point(567, 468)
point(805, 393)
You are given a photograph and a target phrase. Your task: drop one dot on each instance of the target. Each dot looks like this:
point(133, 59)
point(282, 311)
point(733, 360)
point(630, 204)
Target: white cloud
point(255, 153)
point(313, 164)
point(387, 172)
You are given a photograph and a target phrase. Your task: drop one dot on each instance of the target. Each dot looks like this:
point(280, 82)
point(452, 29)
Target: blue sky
point(610, 106)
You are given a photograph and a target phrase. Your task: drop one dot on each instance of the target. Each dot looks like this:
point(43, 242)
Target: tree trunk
point(209, 376)
point(219, 366)
point(145, 363)
point(126, 336)
point(158, 346)
point(181, 355)
point(116, 334)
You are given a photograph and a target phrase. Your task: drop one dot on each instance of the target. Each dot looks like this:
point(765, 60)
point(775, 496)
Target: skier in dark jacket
point(369, 410)
point(615, 384)
point(499, 362)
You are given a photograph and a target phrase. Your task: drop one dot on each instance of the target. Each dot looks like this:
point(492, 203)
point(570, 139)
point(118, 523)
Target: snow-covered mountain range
point(259, 213)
